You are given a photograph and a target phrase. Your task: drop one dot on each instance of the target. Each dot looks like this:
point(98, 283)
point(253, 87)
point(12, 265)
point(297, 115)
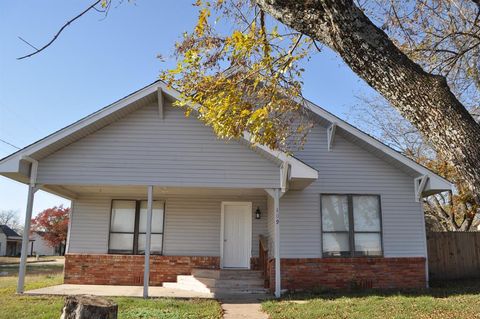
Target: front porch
point(195, 228)
point(13, 247)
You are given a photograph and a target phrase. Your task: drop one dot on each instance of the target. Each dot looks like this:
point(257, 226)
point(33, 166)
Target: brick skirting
point(297, 273)
point(106, 269)
point(349, 273)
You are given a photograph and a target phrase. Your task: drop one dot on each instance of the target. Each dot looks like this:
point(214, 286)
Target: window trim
point(351, 226)
point(136, 232)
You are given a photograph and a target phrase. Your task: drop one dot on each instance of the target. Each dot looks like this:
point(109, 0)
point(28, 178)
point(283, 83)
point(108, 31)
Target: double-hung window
point(128, 227)
point(351, 225)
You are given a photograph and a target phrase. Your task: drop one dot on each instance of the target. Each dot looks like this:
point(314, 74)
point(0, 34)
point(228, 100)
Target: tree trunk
point(89, 307)
point(422, 98)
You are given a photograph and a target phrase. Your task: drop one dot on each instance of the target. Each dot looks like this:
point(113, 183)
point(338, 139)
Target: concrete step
point(221, 283)
point(226, 291)
point(227, 273)
point(223, 291)
point(174, 285)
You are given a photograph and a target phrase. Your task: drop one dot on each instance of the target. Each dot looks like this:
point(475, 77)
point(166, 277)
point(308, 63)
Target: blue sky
point(97, 61)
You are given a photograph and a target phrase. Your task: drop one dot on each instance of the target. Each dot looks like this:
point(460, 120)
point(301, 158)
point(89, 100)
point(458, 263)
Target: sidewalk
point(243, 306)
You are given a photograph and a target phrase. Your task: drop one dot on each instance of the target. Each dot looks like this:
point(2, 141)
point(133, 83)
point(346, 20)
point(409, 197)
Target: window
point(128, 226)
point(351, 225)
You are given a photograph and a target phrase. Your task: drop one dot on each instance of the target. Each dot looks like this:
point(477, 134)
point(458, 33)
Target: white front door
point(236, 236)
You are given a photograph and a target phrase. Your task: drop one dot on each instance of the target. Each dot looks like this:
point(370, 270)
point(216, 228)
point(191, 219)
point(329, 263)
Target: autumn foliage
point(54, 223)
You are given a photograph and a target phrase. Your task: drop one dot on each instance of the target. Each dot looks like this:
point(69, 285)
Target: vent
point(361, 284)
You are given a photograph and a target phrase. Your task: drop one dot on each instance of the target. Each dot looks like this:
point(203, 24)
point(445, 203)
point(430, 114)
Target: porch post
point(146, 274)
point(32, 188)
point(276, 206)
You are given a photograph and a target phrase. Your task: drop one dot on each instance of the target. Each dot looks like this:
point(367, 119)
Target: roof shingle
point(8, 231)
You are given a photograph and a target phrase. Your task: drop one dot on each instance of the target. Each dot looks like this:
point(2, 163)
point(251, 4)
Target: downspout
point(32, 188)
point(277, 193)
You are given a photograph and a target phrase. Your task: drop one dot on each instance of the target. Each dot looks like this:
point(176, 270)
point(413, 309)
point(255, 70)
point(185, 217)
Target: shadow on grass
point(438, 289)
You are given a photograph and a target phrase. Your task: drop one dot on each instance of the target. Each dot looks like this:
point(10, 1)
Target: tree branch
point(60, 31)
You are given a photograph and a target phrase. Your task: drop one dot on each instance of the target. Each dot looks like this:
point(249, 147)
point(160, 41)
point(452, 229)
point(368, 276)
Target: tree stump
point(89, 307)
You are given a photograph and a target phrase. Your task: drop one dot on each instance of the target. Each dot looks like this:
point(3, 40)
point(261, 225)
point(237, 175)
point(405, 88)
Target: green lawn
point(450, 300)
point(13, 306)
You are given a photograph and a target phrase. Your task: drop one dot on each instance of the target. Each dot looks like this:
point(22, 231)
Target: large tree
point(447, 211)
point(245, 73)
point(10, 218)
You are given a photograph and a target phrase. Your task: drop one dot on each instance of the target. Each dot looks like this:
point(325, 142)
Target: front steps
point(220, 281)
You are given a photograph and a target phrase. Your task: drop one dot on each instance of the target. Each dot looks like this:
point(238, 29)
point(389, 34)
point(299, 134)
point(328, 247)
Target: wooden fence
point(453, 255)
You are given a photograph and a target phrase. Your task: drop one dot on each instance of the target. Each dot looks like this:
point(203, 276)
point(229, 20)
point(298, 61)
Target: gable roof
point(10, 233)
point(16, 167)
point(435, 183)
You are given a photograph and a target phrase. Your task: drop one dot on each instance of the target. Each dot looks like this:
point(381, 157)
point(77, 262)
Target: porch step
point(221, 282)
point(239, 274)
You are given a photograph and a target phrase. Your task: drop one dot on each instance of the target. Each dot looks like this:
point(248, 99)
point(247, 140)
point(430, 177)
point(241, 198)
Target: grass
point(14, 306)
point(12, 270)
point(133, 308)
point(447, 300)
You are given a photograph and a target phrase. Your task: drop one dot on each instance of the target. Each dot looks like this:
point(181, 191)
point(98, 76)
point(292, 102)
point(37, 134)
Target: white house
point(10, 241)
point(40, 246)
point(343, 212)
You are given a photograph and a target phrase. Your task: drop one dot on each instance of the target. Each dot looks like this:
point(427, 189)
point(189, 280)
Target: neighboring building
point(10, 241)
point(41, 247)
point(343, 212)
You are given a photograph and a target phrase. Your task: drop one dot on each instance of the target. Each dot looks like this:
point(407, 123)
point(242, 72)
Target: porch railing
point(263, 259)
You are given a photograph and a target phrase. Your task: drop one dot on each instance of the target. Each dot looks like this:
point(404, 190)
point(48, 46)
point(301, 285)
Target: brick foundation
point(105, 269)
point(349, 273)
point(297, 273)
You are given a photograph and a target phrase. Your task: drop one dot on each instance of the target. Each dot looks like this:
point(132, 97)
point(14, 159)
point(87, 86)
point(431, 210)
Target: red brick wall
point(348, 273)
point(93, 269)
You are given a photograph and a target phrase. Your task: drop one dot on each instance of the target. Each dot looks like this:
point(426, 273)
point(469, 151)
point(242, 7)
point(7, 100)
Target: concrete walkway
point(243, 306)
point(33, 262)
point(116, 291)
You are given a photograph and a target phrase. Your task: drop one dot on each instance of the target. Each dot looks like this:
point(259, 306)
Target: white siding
point(41, 247)
point(192, 225)
point(3, 244)
point(142, 149)
point(89, 226)
point(350, 169)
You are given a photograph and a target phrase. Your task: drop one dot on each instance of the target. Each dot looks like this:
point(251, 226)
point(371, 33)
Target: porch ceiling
point(77, 191)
